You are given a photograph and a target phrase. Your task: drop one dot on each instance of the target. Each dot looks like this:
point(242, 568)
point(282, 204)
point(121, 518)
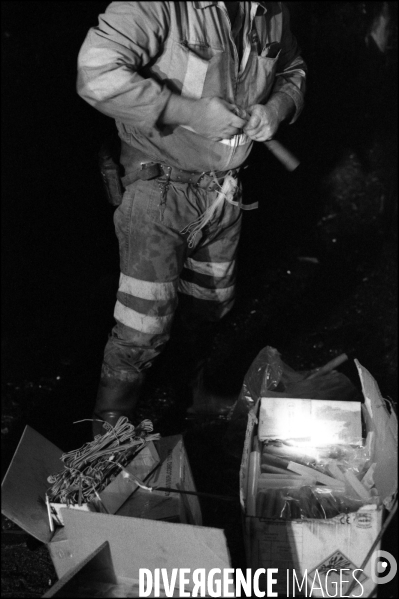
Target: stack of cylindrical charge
point(294, 485)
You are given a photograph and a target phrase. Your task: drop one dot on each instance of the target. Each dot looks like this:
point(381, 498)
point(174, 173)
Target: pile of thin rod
point(91, 468)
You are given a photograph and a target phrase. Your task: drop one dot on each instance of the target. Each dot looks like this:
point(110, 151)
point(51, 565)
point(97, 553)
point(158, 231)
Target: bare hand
point(263, 122)
point(215, 119)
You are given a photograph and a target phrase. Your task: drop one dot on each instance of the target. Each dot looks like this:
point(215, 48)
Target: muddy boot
point(115, 398)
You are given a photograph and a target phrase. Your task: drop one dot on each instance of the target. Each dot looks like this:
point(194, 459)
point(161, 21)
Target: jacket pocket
point(263, 74)
point(189, 66)
point(195, 74)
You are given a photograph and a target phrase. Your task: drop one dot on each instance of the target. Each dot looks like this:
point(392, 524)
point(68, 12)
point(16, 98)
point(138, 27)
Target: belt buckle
point(145, 165)
point(150, 170)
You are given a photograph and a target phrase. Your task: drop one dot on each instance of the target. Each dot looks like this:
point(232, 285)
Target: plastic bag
point(269, 376)
point(294, 481)
point(298, 503)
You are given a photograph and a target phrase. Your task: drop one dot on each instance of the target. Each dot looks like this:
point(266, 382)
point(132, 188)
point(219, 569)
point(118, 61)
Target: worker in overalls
point(191, 86)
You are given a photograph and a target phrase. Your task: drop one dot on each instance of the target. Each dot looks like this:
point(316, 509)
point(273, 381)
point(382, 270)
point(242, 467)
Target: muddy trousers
point(159, 261)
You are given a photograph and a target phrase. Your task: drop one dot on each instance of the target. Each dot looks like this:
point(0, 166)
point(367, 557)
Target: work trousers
point(158, 262)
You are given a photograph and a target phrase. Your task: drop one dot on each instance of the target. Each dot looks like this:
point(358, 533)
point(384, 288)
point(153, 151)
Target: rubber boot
point(115, 398)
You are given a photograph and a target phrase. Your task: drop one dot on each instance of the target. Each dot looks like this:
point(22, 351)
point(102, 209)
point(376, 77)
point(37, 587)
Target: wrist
point(283, 106)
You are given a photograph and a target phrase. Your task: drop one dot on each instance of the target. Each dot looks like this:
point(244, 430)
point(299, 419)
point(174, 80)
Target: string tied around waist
point(226, 192)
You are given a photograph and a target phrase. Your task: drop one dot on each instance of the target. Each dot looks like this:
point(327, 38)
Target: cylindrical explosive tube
point(253, 473)
point(272, 460)
point(269, 469)
point(327, 505)
point(295, 510)
point(345, 505)
point(315, 507)
point(286, 157)
point(304, 502)
point(270, 503)
point(290, 453)
point(260, 505)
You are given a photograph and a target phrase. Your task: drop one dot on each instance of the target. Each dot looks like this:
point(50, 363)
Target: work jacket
point(142, 52)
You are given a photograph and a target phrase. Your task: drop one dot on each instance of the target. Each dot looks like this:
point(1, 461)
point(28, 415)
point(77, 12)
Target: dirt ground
point(317, 278)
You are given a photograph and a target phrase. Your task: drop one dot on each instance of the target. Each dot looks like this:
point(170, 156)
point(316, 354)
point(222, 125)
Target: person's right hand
point(215, 119)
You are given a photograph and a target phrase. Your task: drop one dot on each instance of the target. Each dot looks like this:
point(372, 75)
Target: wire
point(89, 469)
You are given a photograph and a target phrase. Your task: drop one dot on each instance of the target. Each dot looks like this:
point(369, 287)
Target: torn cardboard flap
point(385, 426)
point(252, 422)
point(25, 483)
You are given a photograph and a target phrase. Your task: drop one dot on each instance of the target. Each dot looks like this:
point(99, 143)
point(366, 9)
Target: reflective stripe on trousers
point(156, 263)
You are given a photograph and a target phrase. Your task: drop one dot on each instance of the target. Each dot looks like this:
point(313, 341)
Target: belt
point(157, 170)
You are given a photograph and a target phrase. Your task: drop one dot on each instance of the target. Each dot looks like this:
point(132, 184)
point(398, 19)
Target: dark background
point(59, 252)
point(58, 240)
point(60, 256)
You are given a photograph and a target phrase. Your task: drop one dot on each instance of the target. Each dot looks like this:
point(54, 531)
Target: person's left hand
point(263, 122)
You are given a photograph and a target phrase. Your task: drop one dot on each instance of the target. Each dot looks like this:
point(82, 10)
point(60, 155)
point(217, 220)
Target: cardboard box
point(25, 484)
point(311, 547)
point(95, 577)
point(108, 551)
point(174, 473)
point(136, 543)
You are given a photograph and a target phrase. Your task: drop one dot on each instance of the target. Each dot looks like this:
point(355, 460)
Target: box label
point(363, 520)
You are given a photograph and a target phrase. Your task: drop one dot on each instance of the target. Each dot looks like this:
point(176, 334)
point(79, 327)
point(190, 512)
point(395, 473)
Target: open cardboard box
point(116, 493)
point(25, 484)
point(311, 547)
point(151, 530)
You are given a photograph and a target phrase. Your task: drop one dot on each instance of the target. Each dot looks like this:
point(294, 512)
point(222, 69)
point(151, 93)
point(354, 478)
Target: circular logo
point(383, 567)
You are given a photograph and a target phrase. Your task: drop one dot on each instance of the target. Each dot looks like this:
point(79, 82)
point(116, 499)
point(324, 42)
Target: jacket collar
point(263, 5)
point(199, 5)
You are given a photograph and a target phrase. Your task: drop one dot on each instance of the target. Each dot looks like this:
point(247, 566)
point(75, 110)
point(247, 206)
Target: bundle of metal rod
point(91, 468)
